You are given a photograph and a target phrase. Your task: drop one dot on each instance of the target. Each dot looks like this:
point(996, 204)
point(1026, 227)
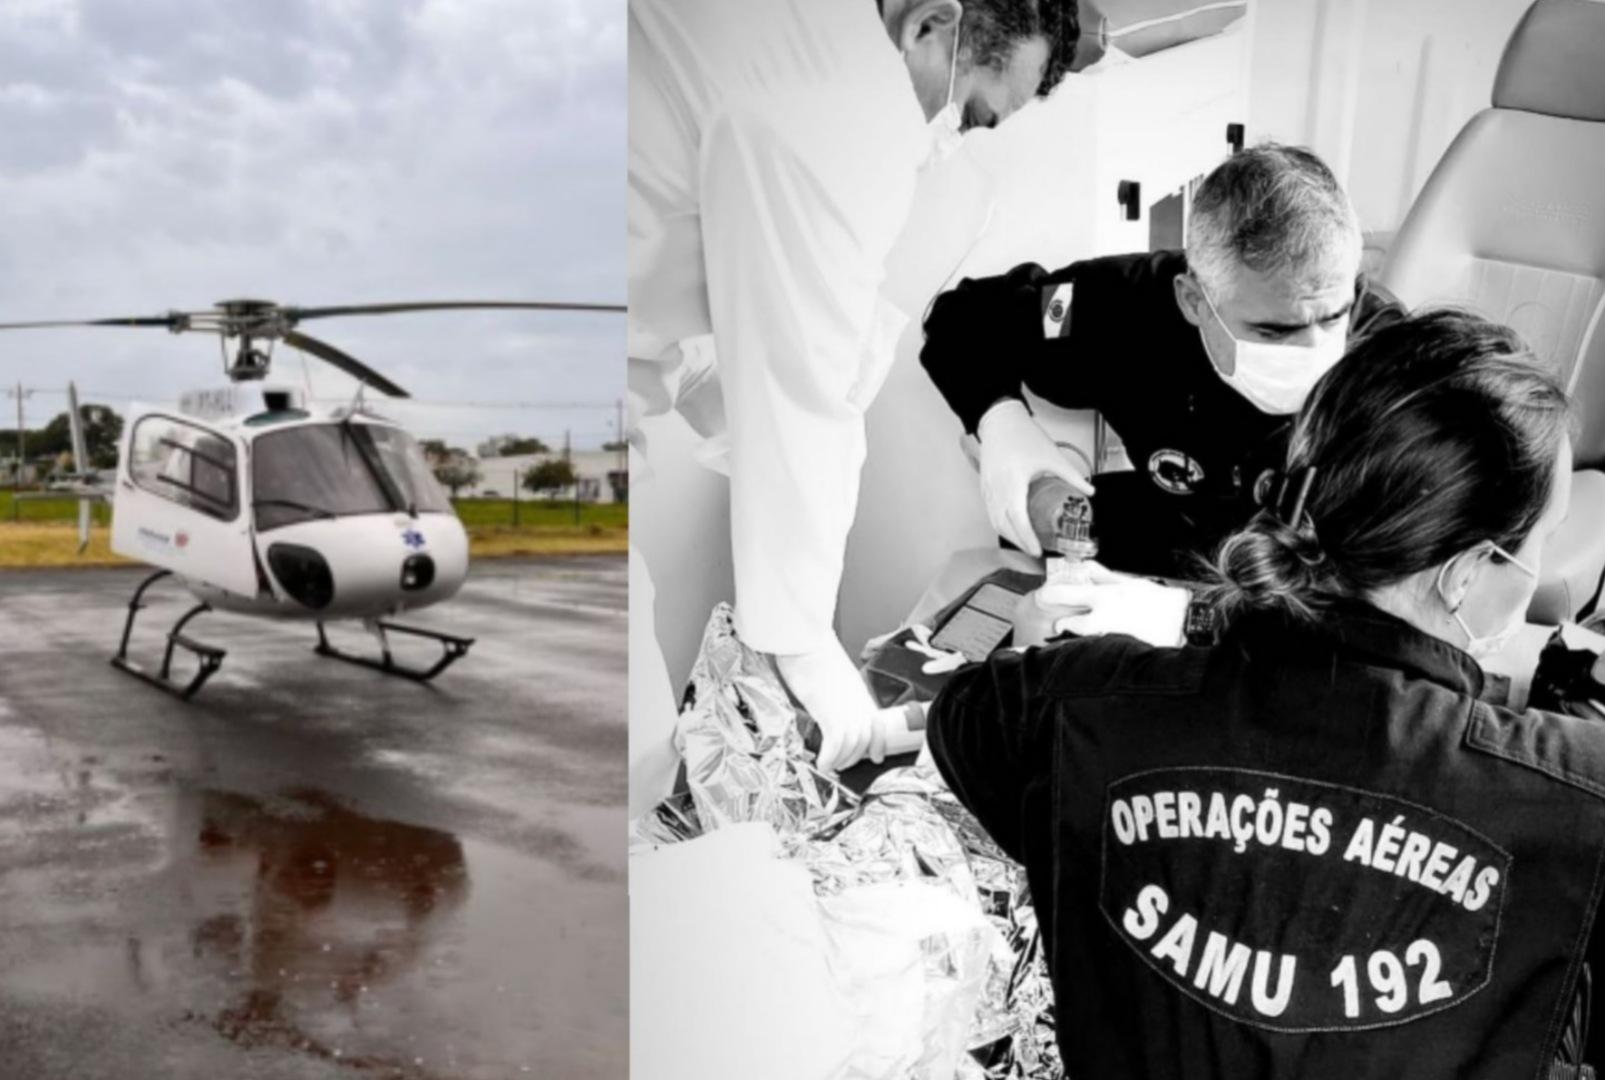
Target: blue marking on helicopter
point(413, 539)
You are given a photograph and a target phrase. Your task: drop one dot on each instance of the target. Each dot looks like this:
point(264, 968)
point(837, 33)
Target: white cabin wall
point(1378, 88)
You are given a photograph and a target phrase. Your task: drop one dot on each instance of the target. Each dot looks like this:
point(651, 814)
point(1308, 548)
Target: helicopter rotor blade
point(346, 363)
point(295, 314)
point(168, 321)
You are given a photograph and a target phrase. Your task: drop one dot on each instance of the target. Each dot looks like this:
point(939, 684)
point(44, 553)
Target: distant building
point(32, 473)
point(603, 477)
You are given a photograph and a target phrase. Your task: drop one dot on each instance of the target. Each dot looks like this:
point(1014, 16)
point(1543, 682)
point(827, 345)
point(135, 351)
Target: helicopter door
point(179, 506)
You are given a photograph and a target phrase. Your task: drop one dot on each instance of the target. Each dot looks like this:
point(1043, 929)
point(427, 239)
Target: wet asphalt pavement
point(314, 870)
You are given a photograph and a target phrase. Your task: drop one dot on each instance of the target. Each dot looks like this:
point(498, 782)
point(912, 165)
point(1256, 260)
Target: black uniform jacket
point(1106, 334)
point(1302, 852)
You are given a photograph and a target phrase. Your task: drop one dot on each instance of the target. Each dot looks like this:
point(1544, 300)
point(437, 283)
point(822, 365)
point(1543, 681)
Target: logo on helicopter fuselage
point(414, 539)
point(151, 536)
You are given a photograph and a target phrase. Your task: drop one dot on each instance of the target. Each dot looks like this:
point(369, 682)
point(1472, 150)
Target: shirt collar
point(1369, 634)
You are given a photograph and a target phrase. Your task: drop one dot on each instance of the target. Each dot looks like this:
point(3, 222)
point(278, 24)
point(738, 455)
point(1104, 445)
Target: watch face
point(1200, 627)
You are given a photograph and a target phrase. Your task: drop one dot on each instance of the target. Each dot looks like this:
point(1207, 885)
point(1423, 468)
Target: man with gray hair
point(1196, 359)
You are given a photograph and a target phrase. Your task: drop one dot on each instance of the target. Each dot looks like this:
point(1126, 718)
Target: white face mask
point(1480, 648)
point(1276, 379)
point(946, 128)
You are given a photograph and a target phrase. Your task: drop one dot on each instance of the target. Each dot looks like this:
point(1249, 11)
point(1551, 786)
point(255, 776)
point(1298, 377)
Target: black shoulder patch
point(1056, 309)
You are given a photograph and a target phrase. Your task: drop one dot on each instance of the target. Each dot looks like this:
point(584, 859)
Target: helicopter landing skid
point(452, 650)
point(210, 657)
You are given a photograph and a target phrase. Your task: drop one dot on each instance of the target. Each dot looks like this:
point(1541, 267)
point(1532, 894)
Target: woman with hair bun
point(1310, 850)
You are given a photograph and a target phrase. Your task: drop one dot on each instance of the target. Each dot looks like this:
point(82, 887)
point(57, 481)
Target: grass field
point(44, 532)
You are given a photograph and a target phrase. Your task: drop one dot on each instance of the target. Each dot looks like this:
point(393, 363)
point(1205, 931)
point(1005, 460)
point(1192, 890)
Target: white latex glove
point(1107, 603)
point(1015, 451)
point(833, 692)
point(941, 661)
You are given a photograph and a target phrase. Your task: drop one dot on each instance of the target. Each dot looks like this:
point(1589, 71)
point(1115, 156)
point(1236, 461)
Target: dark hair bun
point(1269, 565)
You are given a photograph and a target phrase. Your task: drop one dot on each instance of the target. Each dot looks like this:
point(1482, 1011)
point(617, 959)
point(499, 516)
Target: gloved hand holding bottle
point(1014, 451)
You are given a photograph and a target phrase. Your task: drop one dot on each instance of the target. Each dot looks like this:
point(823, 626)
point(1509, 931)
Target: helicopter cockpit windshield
point(315, 471)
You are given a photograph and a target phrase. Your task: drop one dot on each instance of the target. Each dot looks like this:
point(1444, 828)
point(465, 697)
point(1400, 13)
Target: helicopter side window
point(186, 465)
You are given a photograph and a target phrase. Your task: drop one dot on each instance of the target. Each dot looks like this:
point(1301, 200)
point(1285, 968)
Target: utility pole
point(568, 456)
point(21, 394)
point(618, 440)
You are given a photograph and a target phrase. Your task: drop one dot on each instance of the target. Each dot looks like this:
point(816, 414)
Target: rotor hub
point(252, 319)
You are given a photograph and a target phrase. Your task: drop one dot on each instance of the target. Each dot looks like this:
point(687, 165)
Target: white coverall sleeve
point(654, 759)
point(801, 202)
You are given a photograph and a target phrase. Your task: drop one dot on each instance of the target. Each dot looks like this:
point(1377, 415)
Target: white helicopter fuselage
point(284, 512)
point(365, 556)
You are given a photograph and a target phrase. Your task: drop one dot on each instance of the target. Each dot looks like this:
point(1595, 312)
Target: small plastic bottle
point(1062, 519)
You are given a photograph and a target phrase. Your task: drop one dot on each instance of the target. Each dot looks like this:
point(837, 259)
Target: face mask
point(1480, 648)
point(1276, 379)
point(946, 128)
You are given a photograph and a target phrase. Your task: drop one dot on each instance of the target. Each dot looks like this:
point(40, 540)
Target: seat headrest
point(1554, 62)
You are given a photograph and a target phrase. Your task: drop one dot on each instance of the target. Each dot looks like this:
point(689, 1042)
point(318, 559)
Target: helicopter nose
point(417, 572)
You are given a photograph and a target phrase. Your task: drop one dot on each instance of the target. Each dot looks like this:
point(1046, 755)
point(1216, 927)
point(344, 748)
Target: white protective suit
point(774, 148)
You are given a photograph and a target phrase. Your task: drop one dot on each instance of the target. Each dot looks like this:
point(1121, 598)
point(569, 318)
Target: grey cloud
point(169, 154)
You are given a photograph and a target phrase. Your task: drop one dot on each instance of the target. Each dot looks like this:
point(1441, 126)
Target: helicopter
point(260, 503)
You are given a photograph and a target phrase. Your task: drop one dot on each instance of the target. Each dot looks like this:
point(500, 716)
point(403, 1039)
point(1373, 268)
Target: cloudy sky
point(167, 154)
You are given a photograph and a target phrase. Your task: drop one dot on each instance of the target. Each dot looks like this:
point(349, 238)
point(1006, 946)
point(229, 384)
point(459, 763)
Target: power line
point(404, 403)
point(412, 403)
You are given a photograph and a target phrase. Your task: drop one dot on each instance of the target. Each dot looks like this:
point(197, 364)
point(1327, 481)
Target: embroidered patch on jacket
point(1297, 905)
point(1056, 309)
point(1175, 472)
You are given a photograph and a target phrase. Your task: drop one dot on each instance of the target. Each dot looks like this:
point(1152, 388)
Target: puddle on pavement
point(325, 926)
point(293, 924)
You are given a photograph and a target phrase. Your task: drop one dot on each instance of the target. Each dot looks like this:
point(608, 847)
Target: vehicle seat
point(1511, 224)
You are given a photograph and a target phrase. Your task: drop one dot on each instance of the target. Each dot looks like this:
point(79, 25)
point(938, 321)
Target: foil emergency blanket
point(743, 746)
point(746, 760)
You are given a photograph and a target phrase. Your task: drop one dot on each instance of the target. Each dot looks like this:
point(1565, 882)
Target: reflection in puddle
point(289, 927)
point(318, 913)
